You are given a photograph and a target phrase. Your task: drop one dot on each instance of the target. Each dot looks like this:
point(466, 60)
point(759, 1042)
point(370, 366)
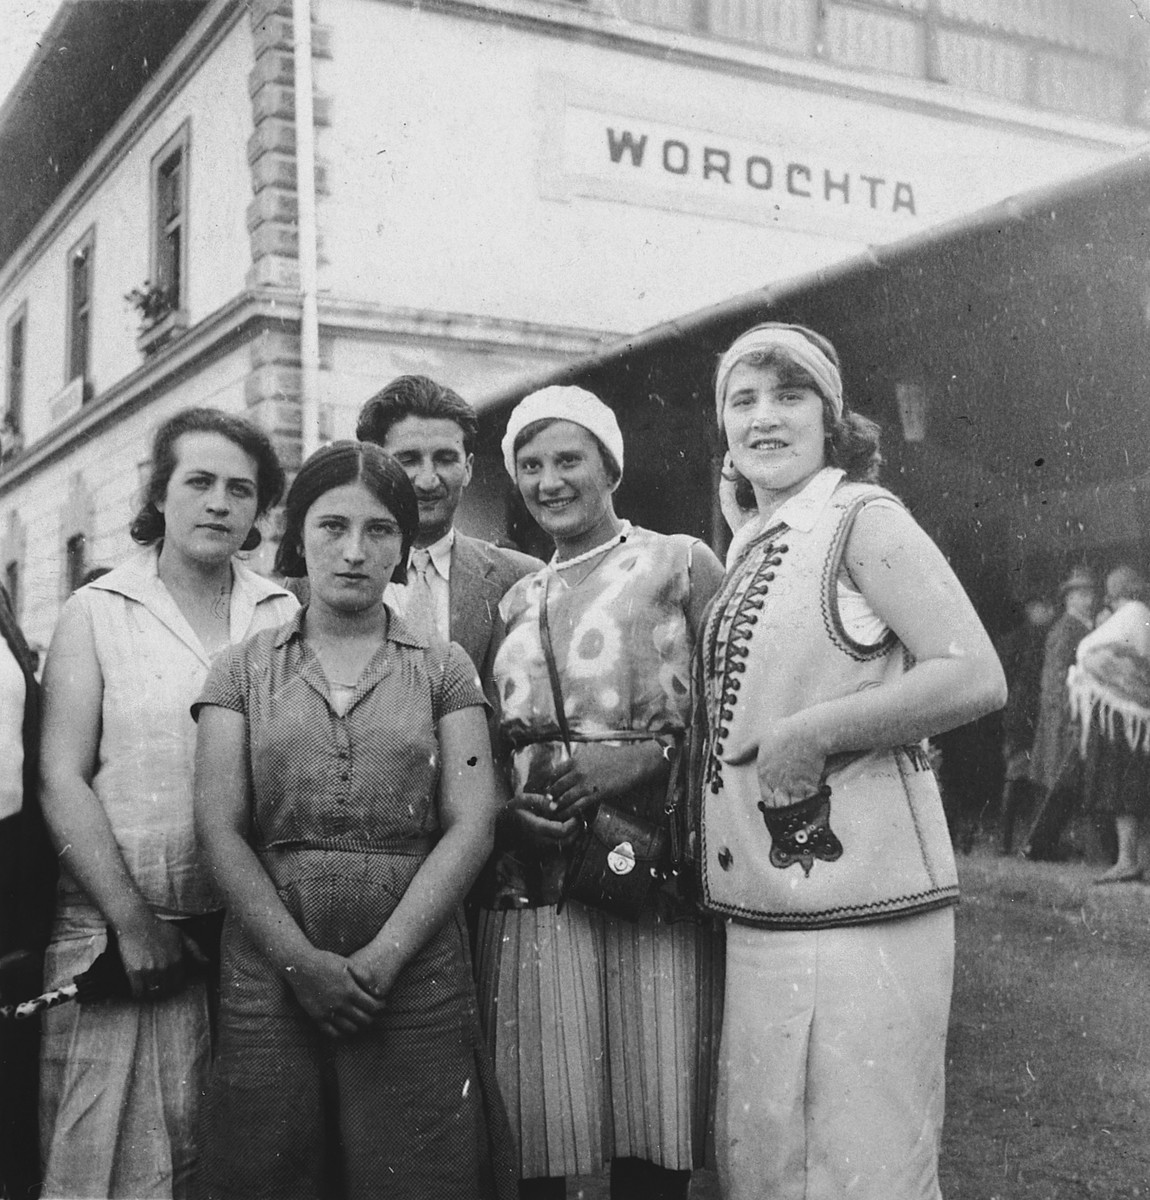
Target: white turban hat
point(574, 404)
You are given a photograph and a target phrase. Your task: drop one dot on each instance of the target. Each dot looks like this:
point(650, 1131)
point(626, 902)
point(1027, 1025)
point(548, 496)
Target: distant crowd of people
point(1077, 721)
point(629, 860)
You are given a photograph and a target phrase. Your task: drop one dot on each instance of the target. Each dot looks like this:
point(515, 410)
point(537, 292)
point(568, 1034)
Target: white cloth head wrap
point(795, 346)
point(574, 404)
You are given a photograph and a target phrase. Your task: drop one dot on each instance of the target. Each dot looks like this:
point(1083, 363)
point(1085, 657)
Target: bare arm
point(467, 808)
point(321, 981)
point(152, 951)
point(956, 676)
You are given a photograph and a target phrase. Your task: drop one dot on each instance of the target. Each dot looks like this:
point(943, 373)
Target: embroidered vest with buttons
point(775, 644)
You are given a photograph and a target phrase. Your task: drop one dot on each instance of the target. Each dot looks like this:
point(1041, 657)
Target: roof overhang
point(1028, 323)
point(90, 64)
point(1025, 327)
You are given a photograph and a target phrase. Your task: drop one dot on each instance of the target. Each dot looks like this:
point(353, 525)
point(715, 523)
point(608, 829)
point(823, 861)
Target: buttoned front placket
point(343, 814)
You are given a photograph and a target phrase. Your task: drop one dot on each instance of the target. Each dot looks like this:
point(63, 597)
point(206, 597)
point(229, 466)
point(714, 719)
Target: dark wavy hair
point(334, 466)
point(852, 440)
point(415, 396)
point(614, 471)
point(147, 525)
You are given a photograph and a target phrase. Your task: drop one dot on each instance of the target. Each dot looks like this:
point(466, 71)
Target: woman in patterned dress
point(601, 1027)
point(345, 801)
point(121, 1081)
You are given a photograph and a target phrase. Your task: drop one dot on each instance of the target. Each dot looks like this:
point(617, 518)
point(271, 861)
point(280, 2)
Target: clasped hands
point(344, 995)
point(592, 773)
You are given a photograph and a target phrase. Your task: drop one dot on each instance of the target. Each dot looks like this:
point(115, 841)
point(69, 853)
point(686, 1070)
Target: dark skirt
point(406, 1110)
point(1116, 779)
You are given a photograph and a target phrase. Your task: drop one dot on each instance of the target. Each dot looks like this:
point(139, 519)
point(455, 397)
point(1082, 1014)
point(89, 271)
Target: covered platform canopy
point(1006, 356)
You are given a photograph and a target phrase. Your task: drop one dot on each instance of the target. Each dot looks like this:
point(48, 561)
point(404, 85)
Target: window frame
point(75, 560)
point(160, 227)
point(14, 585)
point(86, 246)
point(16, 375)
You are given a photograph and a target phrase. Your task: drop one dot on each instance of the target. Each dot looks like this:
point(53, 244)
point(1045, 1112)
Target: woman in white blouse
point(121, 1081)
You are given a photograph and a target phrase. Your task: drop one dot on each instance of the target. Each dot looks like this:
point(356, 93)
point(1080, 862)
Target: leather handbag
point(620, 860)
point(618, 864)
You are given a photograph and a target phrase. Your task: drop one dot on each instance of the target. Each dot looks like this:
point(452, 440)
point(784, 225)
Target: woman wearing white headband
point(839, 641)
point(601, 1027)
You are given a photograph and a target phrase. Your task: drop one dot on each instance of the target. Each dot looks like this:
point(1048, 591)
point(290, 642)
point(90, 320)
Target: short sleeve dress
point(343, 813)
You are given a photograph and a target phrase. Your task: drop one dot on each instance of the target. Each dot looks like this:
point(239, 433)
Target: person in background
point(1055, 738)
point(345, 800)
point(1109, 688)
point(1021, 653)
point(27, 887)
point(431, 431)
point(839, 641)
point(602, 1027)
point(121, 1080)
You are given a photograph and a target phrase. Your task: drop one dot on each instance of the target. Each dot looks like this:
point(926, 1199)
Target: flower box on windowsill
point(163, 331)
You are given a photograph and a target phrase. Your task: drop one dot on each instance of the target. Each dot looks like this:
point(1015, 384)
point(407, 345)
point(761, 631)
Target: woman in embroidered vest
point(602, 1028)
point(345, 798)
point(1109, 686)
point(121, 1080)
point(839, 641)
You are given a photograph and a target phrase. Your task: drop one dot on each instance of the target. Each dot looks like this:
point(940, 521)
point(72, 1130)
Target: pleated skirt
point(604, 1034)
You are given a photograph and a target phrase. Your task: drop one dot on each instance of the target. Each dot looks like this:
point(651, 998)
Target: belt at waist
point(414, 847)
point(667, 736)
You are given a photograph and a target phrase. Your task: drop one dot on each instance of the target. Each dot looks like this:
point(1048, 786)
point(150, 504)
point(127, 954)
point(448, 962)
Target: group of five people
point(353, 779)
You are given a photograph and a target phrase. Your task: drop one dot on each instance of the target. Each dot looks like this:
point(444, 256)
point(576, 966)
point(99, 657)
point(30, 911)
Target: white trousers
point(832, 1061)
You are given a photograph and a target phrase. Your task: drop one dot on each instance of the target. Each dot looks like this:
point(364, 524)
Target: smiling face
point(431, 451)
point(566, 486)
point(352, 544)
point(211, 500)
point(775, 431)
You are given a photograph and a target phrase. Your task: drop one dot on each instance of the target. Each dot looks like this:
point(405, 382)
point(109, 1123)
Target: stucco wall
point(469, 169)
point(215, 101)
point(357, 367)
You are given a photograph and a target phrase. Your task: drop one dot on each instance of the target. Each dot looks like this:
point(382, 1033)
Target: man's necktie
point(421, 600)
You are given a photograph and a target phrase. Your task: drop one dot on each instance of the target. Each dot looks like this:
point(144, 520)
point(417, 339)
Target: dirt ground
point(1048, 1080)
point(1049, 1049)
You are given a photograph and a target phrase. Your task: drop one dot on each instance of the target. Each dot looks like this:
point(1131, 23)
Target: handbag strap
point(674, 780)
point(552, 669)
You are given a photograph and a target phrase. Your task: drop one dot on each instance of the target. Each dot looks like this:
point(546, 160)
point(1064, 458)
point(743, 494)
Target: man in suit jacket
point(457, 580)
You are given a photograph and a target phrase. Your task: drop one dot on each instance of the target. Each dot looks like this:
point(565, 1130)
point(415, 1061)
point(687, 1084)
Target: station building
point(1004, 354)
point(214, 202)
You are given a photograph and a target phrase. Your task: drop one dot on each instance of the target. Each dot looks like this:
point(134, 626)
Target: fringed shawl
point(1110, 682)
